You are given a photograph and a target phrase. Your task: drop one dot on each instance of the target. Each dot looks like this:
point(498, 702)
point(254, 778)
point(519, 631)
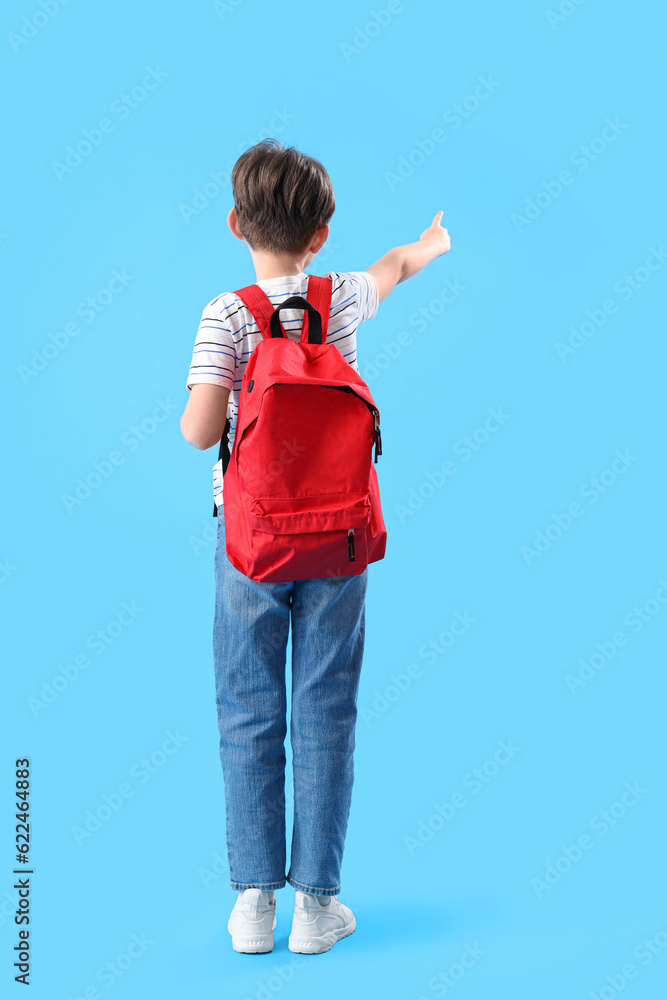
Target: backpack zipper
point(378, 436)
point(376, 416)
point(376, 419)
point(350, 544)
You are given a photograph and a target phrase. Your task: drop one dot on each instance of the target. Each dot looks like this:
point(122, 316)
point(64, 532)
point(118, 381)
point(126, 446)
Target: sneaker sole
point(259, 946)
point(319, 945)
point(253, 945)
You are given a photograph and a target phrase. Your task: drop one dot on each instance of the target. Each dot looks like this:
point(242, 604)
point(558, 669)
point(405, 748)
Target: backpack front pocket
point(307, 537)
point(324, 512)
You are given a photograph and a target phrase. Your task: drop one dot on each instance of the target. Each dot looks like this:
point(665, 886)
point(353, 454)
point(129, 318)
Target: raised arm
point(405, 261)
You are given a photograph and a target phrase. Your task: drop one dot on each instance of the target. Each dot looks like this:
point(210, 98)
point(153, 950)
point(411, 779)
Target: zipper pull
point(350, 544)
point(378, 436)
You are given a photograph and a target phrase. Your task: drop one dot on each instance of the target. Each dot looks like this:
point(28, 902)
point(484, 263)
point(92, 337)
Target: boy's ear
point(320, 236)
point(233, 224)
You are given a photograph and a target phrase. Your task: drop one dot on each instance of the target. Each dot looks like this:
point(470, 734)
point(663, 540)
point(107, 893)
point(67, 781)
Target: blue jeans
point(250, 636)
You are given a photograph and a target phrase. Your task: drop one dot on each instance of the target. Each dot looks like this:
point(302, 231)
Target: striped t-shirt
point(228, 334)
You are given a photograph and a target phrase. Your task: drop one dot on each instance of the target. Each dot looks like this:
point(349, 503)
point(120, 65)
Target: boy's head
point(281, 197)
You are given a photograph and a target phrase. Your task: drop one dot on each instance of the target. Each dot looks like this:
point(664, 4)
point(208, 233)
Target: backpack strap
point(260, 306)
point(223, 456)
point(319, 295)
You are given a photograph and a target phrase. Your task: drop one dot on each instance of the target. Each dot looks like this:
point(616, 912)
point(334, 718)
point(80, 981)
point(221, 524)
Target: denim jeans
point(250, 634)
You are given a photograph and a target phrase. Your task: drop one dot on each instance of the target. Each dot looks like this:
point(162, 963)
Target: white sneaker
point(319, 921)
point(253, 921)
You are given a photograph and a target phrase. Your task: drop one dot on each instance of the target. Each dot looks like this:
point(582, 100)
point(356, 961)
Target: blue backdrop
point(507, 829)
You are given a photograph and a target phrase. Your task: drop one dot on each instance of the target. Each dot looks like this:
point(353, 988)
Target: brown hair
point(281, 197)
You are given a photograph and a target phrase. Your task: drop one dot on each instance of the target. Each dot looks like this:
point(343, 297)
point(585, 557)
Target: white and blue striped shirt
point(228, 334)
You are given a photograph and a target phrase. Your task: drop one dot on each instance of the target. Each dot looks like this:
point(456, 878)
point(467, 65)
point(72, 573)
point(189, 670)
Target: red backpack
point(301, 495)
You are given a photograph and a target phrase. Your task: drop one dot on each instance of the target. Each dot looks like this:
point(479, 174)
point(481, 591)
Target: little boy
point(283, 201)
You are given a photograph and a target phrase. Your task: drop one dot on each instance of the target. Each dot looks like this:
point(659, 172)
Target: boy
point(283, 201)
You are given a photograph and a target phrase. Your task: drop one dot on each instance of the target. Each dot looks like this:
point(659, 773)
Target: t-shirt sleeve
point(214, 354)
point(364, 287)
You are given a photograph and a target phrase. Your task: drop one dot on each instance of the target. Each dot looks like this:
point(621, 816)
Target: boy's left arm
point(203, 419)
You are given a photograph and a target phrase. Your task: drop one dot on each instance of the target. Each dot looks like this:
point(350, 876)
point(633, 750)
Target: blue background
point(144, 532)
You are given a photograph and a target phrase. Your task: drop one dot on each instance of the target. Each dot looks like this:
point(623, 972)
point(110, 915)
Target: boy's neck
point(278, 265)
